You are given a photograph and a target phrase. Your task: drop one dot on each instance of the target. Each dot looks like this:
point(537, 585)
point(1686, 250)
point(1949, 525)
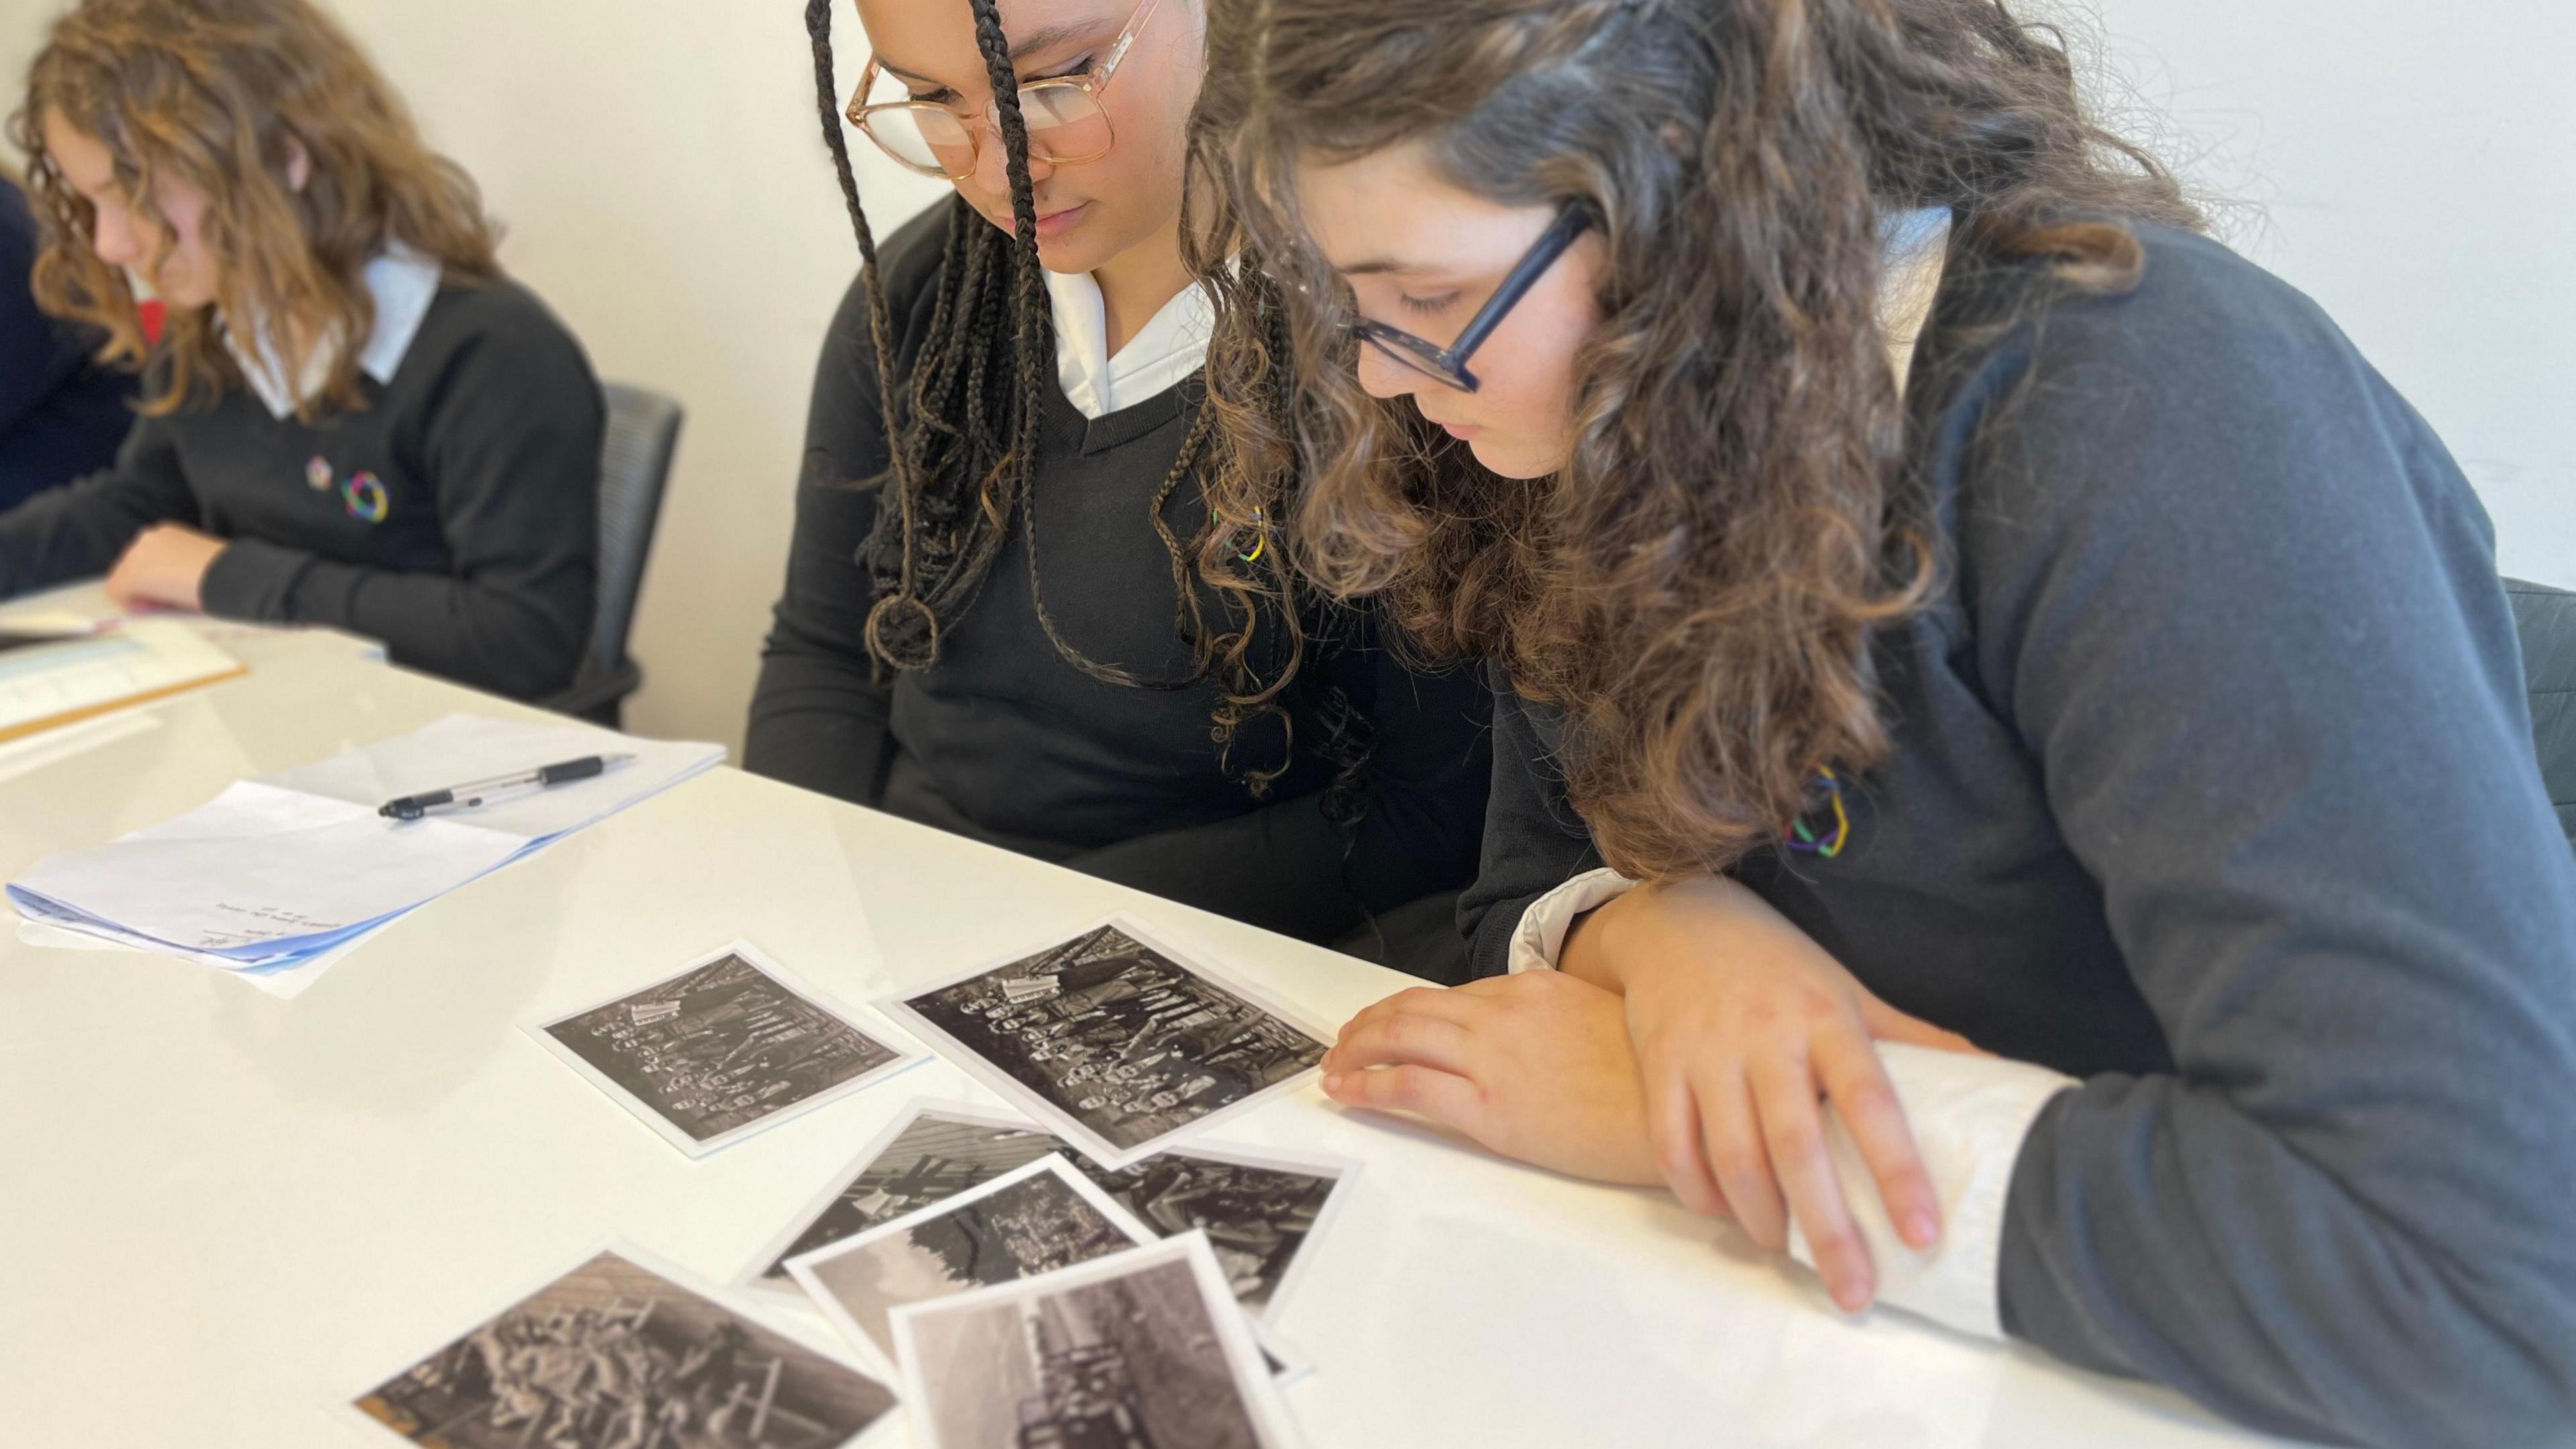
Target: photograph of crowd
point(614, 1356)
point(721, 1048)
point(1035, 1220)
point(1114, 1042)
point(1134, 1359)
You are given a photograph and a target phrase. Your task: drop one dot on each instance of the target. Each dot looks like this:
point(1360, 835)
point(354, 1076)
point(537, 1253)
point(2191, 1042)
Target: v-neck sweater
point(1004, 740)
point(454, 517)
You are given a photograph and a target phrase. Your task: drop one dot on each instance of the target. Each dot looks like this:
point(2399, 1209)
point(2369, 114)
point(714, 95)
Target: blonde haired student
point(353, 418)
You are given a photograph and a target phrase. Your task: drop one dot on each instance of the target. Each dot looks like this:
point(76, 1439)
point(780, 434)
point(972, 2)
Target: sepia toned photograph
point(727, 1047)
point(1033, 1220)
point(614, 1355)
point(1144, 1348)
point(929, 1154)
point(1258, 1214)
point(1113, 1040)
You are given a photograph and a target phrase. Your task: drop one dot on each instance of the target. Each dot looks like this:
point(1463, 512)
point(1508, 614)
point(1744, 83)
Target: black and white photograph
point(929, 1153)
point(729, 1046)
point(1143, 1348)
point(1113, 1040)
point(1259, 1213)
point(615, 1355)
point(1032, 1220)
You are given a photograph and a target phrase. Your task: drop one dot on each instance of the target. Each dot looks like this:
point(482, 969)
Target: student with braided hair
point(1010, 610)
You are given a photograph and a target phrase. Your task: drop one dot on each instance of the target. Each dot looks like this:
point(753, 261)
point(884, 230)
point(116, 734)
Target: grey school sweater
point(2213, 786)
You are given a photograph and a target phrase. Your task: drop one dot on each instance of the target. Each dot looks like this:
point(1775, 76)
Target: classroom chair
point(2546, 619)
point(634, 464)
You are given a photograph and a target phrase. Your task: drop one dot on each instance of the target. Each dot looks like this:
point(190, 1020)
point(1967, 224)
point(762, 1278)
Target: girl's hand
point(1536, 1067)
point(1744, 1030)
point(164, 565)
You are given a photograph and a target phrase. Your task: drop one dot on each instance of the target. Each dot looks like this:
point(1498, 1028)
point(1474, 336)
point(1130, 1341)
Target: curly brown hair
point(963, 438)
point(218, 94)
point(1698, 587)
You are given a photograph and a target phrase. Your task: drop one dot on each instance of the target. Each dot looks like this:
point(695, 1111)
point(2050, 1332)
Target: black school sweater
point(61, 416)
point(2213, 785)
point(1005, 741)
point(455, 517)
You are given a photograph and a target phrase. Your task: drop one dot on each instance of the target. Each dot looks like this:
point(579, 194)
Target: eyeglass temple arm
point(1127, 39)
point(1551, 244)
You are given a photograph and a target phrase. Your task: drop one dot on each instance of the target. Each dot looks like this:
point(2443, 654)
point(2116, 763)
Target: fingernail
point(1333, 1083)
point(1852, 1296)
point(1922, 1230)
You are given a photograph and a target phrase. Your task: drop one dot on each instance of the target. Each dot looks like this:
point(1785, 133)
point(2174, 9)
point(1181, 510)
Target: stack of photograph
point(1084, 1271)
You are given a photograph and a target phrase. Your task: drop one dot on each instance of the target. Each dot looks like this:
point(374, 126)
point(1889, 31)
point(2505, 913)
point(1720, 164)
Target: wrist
point(1585, 954)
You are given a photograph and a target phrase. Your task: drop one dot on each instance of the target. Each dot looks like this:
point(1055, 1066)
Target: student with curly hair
point(1010, 610)
point(352, 418)
point(1941, 592)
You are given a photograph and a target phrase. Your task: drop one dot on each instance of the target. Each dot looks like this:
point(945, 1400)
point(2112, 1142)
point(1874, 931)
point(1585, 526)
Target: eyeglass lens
point(1065, 124)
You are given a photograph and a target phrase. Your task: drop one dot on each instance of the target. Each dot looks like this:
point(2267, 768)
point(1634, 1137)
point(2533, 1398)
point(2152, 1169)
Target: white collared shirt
point(403, 283)
point(1968, 1114)
point(1169, 347)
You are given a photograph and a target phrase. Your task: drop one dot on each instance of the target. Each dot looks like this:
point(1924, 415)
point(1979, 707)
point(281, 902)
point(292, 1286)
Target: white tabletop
point(222, 1215)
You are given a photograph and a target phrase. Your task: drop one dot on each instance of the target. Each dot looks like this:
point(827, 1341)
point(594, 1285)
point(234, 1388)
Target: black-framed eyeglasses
point(1448, 365)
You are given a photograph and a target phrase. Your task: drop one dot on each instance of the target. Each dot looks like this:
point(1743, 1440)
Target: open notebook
point(51, 676)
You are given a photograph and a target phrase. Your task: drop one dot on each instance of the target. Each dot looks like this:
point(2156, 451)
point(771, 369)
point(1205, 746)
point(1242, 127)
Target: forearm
point(2157, 1229)
point(78, 532)
point(522, 638)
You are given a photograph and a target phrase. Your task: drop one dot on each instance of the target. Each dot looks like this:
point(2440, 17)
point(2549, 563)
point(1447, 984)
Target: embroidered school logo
point(317, 474)
point(1825, 829)
point(365, 497)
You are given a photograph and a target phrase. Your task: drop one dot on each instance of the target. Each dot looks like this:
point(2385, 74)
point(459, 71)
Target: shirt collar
point(403, 282)
point(1917, 244)
point(1166, 349)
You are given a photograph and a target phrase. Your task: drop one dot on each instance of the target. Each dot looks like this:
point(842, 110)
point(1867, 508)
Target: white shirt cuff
point(1541, 933)
point(1969, 1115)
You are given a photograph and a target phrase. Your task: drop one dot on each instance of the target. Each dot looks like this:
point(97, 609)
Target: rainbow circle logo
point(365, 497)
point(317, 474)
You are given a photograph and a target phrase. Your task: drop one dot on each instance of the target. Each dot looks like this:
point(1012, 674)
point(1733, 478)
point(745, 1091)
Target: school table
point(224, 1214)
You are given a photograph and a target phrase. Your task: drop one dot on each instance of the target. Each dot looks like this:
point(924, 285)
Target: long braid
point(818, 30)
point(963, 450)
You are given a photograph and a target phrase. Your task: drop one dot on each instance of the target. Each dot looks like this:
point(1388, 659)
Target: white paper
point(260, 865)
point(285, 873)
point(284, 980)
point(465, 747)
point(100, 669)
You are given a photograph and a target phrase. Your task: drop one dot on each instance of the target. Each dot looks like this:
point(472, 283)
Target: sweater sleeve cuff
point(1969, 1115)
point(1541, 932)
point(251, 579)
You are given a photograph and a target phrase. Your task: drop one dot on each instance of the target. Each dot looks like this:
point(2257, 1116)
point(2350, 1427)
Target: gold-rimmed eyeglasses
point(1066, 122)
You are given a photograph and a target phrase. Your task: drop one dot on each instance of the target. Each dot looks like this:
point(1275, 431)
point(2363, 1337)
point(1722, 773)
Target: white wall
point(2414, 167)
point(659, 165)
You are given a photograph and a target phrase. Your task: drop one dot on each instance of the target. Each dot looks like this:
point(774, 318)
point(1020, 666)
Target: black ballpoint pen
point(479, 792)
